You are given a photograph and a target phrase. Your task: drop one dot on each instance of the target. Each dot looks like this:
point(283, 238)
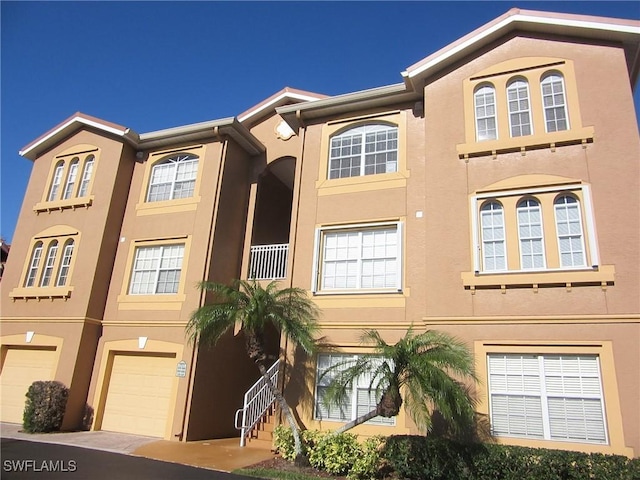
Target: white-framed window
point(86, 176)
point(56, 181)
point(549, 397)
point(173, 178)
point(360, 257)
point(554, 103)
point(156, 270)
point(485, 113)
point(49, 264)
point(569, 231)
point(364, 150)
point(360, 398)
point(65, 263)
point(71, 179)
point(519, 108)
point(530, 234)
point(494, 255)
point(34, 264)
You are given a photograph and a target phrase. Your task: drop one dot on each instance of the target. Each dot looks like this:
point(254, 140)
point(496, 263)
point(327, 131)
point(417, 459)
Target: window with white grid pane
point(65, 264)
point(493, 237)
point(531, 236)
point(365, 150)
point(569, 231)
point(551, 397)
point(554, 103)
point(34, 264)
point(156, 270)
point(360, 398)
point(366, 258)
point(519, 108)
point(86, 176)
point(49, 263)
point(173, 178)
point(71, 179)
point(55, 183)
point(485, 113)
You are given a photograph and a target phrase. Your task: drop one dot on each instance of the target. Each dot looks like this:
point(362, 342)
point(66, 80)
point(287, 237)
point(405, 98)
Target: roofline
point(273, 100)
point(515, 18)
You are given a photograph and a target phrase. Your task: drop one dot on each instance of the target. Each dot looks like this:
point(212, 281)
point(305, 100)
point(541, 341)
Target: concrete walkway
point(224, 455)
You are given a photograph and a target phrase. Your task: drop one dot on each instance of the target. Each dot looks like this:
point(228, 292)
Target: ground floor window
point(549, 397)
point(360, 398)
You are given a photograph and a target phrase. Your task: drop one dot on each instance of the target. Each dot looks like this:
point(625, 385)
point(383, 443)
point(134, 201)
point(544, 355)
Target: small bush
point(45, 406)
point(367, 464)
point(335, 454)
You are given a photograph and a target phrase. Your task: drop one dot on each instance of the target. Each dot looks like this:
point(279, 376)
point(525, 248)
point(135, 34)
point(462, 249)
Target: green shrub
point(367, 464)
point(45, 406)
point(424, 458)
point(335, 453)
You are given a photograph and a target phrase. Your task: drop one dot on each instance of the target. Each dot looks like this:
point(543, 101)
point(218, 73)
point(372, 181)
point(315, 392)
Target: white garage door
point(21, 367)
point(139, 394)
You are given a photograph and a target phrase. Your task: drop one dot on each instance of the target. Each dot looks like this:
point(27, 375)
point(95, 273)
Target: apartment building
point(492, 194)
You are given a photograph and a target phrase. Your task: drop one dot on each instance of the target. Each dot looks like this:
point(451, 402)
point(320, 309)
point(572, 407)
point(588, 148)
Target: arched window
point(71, 179)
point(49, 263)
point(86, 176)
point(493, 237)
point(364, 150)
point(173, 178)
point(530, 234)
point(569, 231)
point(554, 103)
point(485, 113)
point(55, 183)
point(519, 108)
point(33, 265)
point(65, 264)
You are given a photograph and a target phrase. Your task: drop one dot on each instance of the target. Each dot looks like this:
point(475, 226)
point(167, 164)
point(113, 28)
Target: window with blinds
point(360, 398)
point(548, 397)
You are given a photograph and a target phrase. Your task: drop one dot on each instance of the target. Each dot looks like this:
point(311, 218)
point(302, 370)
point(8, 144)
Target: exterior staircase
point(256, 418)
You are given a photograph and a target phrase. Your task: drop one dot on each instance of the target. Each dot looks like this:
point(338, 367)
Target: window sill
point(603, 276)
point(168, 206)
point(40, 293)
point(364, 299)
point(526, 143)
point(83, 202)
point(151, 302)
point(362, 183)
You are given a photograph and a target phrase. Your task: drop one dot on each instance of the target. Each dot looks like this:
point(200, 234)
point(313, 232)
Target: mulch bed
point(279, 463)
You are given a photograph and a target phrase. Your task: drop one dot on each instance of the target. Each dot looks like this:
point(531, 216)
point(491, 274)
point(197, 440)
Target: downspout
point(294, 234)
point(205, 274)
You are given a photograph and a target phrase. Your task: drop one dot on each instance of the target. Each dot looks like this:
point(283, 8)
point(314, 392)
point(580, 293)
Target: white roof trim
point(79, 119)
point(565, 22)
point(275, 100)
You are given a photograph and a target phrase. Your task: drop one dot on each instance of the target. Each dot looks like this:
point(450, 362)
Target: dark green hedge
point(424, 458)
point(45, 406)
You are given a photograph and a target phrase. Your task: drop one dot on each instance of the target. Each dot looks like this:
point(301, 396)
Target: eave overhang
point(285, 96)
point(621, 31)
point(295, 115)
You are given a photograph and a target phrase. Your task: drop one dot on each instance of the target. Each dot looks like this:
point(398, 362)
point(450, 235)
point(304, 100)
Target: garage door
point(139, 394)
point(21, 367)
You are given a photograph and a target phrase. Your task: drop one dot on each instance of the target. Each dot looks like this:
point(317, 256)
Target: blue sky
point(155, 65)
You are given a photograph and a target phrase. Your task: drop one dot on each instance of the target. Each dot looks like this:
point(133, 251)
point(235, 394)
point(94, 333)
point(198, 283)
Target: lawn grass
point(260, 472)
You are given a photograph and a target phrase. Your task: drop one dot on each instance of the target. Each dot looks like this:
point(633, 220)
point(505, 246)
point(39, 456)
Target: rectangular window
point(156, 270)
point(359, 400)
point(550, 397)
point(360, 258)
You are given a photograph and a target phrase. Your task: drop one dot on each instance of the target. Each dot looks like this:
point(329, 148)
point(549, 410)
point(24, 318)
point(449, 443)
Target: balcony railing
point(268, 262)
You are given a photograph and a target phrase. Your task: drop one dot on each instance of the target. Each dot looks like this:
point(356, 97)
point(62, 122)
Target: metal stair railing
point(257, 401)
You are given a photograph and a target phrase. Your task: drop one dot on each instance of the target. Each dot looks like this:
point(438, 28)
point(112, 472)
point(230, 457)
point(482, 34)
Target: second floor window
point(56, 264)
point(173, 178)
point(553, 98)
point(157, 269)
point(519, 109)
point(485, 111)
point(493, 237)
point(364, 150)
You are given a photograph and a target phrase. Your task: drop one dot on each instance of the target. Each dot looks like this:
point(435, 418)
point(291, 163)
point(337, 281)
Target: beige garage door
point(21, 367)
point(139, 394)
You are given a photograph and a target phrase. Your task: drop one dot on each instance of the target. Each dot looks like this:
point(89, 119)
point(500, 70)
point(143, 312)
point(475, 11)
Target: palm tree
point(252, 307)
point(428, 368)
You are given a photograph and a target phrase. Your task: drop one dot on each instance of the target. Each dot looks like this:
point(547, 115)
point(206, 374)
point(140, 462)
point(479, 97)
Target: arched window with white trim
point(519, 108)
point(554, 102)
point(494, 254)
point(65, 263)
point(55, 183)
point(86, 176)
point(364, 150)
point(530, 234)
point(34, 263)
point(173, 178)
point(569, 231)
point(485, 113)
point(71, 179)
point(49, 264)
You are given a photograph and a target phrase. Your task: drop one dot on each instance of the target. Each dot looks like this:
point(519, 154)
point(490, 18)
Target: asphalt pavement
point(31, 460)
